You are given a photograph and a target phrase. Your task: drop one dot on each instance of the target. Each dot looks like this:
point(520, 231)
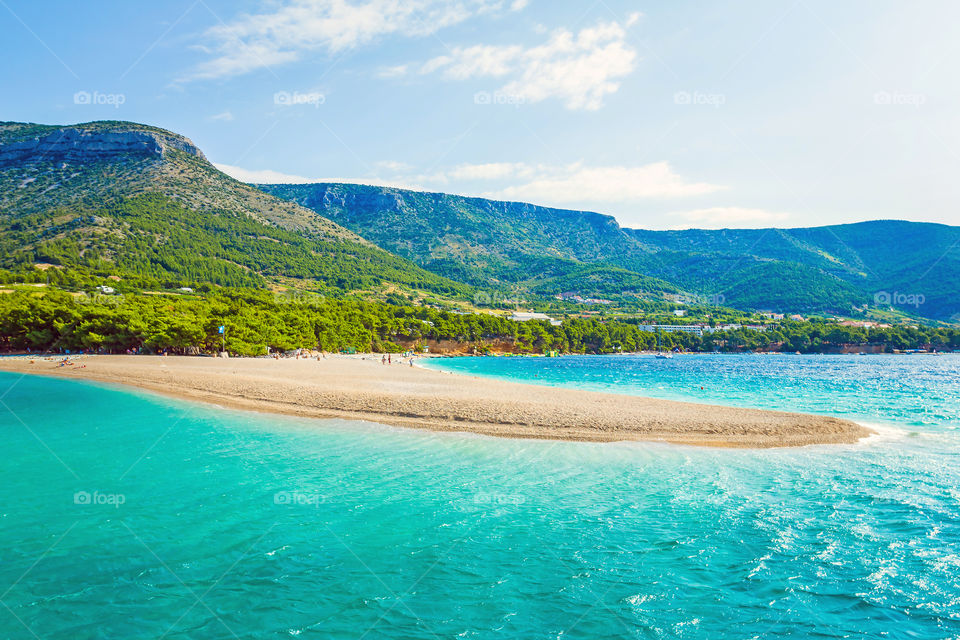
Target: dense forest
point(153, 237)
point(124, 238)
point(257, 321)
point(489, 243)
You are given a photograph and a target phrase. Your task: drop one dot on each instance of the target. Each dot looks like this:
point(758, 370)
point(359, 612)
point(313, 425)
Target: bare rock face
point(77, 145)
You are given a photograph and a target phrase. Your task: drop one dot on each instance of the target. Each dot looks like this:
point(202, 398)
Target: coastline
point(360, 388)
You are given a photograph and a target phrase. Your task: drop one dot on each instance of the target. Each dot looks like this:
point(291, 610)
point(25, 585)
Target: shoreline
point(360, 388)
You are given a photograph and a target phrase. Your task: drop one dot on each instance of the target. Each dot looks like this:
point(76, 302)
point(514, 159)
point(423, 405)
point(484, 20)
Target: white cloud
point(577, 183)
point(481, 60)
point(262, 176)
point(580, 69)
point(226, 116)
point(571, 184)
point(269, 176)
point(519, 5)
point(567, 185)
point(720, 217)
point(297, 27)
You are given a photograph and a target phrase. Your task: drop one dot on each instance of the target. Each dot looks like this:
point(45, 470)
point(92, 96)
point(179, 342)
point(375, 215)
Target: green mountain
point(118, 198)
point(142, 202)
point(912, 266)
point(486, 242)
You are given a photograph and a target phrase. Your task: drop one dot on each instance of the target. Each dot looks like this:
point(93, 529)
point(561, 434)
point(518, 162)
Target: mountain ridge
point(30, 142)
point(92, 193)
point(810, 269)
point(106, 194)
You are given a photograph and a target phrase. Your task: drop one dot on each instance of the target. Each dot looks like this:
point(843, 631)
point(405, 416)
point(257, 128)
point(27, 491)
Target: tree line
point(257, 321)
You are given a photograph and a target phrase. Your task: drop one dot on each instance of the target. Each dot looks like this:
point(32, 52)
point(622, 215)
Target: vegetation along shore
point(68, 313)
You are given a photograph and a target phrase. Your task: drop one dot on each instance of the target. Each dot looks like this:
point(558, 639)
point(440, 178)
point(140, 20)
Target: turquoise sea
point(127, 515)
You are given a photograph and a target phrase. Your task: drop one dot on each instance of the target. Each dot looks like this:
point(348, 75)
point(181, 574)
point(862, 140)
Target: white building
point(523, 316)
point(695, 329)
point(734, 327)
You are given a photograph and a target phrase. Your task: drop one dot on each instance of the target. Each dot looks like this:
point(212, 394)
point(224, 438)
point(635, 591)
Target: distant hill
point(492, 243)
point(913, 265)
point(488, 243)
point(144, 201)
point(136, 200)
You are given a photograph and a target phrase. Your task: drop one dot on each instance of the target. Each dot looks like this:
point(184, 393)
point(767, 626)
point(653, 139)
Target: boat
point(661, 355)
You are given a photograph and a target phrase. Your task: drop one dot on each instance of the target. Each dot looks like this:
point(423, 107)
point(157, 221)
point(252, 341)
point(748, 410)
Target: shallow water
point(129, 515)
point(895, 389)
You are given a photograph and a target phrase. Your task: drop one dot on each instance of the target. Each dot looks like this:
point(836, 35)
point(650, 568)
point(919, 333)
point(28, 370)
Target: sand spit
point(354, 388)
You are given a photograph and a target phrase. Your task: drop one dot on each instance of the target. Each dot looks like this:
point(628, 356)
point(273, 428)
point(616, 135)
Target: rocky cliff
point(25, 143)
point(84, 166)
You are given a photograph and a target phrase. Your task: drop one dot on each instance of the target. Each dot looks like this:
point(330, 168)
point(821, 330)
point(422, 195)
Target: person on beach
point(389, 359)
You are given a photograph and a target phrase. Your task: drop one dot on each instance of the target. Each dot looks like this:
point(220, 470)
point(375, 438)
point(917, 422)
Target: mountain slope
point(144, 200)
point(492, 243)
point(484, 242)
point(919, 263)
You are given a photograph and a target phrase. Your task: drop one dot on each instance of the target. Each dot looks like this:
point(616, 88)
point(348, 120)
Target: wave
point(882, 433)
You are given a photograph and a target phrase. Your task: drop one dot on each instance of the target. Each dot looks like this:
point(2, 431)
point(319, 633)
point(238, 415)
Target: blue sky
point(666, 115)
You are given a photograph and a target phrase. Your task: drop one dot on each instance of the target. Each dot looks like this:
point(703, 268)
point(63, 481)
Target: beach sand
point(352, 388)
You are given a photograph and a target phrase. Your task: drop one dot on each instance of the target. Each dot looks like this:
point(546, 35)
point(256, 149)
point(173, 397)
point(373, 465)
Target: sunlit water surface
point(126, 515)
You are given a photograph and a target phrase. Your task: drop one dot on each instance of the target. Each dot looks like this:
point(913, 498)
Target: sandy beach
point(352, 388)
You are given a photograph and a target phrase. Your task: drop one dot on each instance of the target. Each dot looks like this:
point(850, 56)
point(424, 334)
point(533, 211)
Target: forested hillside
point(255, 322)
point(142, 203)
point(490, 243)
point(136, 201)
